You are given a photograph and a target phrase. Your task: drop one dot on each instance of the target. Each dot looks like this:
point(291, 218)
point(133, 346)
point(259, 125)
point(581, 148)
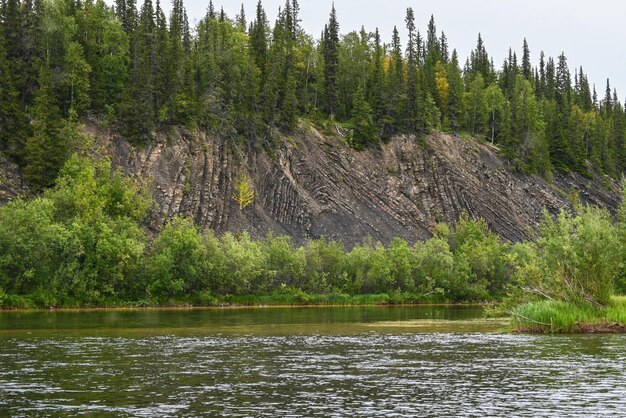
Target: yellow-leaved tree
point(244, 194)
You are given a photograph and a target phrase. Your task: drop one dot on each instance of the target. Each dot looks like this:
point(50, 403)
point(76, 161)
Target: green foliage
point(577, 258)
point(138, 70)
point(79, 240)
point(568, 317)
point(364, 133)
point(81, 243)
point(553, 316)
point(620, 281)
point(177, 265)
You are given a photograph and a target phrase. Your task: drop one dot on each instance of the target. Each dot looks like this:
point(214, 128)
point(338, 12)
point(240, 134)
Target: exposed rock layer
point(316, 186)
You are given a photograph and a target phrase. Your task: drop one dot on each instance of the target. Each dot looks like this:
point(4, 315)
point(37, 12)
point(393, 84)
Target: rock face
point(313, 185)
point(11, 184)
point(316, 186)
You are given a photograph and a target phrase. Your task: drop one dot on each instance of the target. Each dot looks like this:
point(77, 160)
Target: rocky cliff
point(313, 185)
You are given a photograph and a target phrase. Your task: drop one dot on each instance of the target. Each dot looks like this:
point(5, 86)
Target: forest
point(80, 239)
point(81, 243)
point(247, 81)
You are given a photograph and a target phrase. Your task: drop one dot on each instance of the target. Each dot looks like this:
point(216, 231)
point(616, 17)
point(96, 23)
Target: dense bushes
point(576, 259)
point(81, 243)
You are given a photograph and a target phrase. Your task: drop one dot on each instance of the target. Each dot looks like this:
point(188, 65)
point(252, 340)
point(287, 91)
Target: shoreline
point(236, 307)
point(586, 328)
point(560, 317)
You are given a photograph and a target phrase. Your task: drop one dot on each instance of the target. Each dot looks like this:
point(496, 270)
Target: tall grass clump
point(554, 316)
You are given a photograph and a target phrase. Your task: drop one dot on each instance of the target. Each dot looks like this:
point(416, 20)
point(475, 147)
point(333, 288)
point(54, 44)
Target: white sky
point(591, 33)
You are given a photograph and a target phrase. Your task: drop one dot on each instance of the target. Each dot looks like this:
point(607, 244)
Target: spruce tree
point(526, 66)
point(47, 148)
point(242, 25)
point(377, 97)
point(140, 109)
point(259, 39)
point(413, 89)
point(445, 56)
point(455, 105)
point(331, 63)
point(13, 124)
point(364, 133)
point(396, 81)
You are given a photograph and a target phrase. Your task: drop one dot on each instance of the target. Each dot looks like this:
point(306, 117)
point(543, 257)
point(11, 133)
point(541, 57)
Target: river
point(344, 362)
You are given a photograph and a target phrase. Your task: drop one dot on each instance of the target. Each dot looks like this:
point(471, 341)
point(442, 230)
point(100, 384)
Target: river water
point(326, 362)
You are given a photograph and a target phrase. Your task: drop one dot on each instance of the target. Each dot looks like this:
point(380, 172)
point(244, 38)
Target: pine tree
point(160, 69)
point(120, 10)
point(131, 18)
point(550, 85)
point(33, 47)
point(541, 86)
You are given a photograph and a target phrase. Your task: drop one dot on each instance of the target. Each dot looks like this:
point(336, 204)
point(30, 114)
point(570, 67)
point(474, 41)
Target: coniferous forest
point(249, 80)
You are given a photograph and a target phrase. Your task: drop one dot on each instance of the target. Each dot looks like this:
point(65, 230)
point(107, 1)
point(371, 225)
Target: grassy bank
point(336, 299)
point(276, 299)
point(565, 317)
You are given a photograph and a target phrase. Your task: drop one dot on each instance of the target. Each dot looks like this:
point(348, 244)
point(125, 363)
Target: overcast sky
point(592, 33)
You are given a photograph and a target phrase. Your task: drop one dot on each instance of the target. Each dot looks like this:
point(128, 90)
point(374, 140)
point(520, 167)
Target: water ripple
point(358, 375)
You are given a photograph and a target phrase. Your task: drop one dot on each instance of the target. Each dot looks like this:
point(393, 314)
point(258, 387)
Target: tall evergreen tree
point(455, 105)
point(396, 80)
point(331, 62)
point(364, 133)
point(259, 39)
point(413, 88)
point(46, 150)
point(526, 66)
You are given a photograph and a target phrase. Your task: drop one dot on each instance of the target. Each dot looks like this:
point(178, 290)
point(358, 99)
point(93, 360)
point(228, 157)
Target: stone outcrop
point(11, 183)
point(313, 185)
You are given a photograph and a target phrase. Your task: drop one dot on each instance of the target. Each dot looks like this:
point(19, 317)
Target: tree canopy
point(245, 78)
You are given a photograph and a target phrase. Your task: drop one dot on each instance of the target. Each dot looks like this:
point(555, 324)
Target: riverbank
point(557, 317)
point(299, 299)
